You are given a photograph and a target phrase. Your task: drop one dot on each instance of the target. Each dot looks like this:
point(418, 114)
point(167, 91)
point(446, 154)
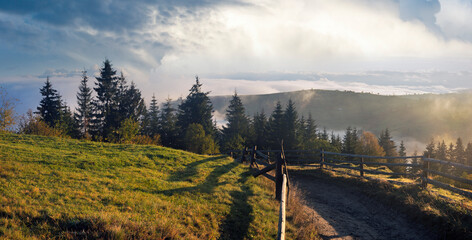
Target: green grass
point(69, 189)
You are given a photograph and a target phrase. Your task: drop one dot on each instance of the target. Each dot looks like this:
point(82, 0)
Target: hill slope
point(69, 189)
point(419, 117)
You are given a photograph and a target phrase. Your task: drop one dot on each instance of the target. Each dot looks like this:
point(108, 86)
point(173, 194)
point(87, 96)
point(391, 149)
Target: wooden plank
point(303, 161)
point(341, 166)
point(367, 156)
point(459, 179)
point(449, 187)
point(458, 165)
point(258, 161)
point(388, 173)
point(369, 171)
point(262, 155)
point(264, 170)
point(270, 177)
point(281, 230)
point(375, 163)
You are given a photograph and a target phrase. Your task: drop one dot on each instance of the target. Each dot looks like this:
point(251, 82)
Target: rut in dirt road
point(343, 213)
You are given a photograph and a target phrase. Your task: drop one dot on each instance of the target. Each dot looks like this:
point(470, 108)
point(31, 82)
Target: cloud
point(455, 19)
point(162, 45)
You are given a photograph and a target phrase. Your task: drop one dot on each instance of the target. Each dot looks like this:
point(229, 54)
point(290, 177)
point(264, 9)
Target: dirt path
point(343, 213)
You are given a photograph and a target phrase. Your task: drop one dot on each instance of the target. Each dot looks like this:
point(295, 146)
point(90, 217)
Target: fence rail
point(320, 158)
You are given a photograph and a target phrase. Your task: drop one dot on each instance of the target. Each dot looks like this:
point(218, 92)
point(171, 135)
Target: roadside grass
point(440, 210)
point(53, 188)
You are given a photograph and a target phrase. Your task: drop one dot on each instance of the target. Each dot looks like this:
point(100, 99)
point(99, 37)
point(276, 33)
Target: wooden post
point(281, 231)
point(243, 156)
point(321, 158)
point(278, 177)
point(361, 166)
point(425, 172)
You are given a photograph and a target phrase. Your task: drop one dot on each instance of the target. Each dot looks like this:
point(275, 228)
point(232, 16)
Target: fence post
point(361, 166)
point(322, 158)
point(281, 231)
point(425, 171)
point(278, 177)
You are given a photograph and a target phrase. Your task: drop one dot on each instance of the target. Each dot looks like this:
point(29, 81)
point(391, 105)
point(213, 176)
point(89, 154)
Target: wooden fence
point(409, 166)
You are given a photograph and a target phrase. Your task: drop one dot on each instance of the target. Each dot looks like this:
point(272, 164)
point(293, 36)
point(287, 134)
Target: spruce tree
point(49, 108)
point(459, 152)
point(260, 129)
point(350, 141)
point(310, 130)
point(132, 104)
point(83, 112)
point(402, 151)
point(167, 126)
point(236, 132)
point(105, 105)
point(196, 108)
point(276, 127)
point(324, 135)
point(468, 153)
point(290, 130)
point(153, 117)
point(386, 142)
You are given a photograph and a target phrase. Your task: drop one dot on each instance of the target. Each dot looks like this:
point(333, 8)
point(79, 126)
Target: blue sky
point(259, 46)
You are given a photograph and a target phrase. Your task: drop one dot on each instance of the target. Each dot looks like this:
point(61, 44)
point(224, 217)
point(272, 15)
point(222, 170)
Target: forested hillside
point(414, 117)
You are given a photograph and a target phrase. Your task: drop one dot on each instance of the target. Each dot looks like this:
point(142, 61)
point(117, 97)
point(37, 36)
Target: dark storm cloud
point(114, 16)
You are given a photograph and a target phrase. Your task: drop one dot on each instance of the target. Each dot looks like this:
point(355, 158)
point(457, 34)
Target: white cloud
point(301, 35)
point(455, 19)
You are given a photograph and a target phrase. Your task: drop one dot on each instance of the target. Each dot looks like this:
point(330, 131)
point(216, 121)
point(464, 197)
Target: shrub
point(31, 124)
point(196, 141)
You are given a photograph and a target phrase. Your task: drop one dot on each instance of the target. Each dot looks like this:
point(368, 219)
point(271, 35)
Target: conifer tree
point(167, 126)
point(310, 130)
point(49, 108)
point(105, 105)
point(276, 127)
point(402, 151)
point(196, 108)
point(450, 153)
point(468, 153)
point(236, 132)
point(153, 117)
point(386, 142)
point(440, 153)
point(290, 130)
point(132, 104)
point(336, 142)
point(324, 135)
point(260, 128)
point(83, 112)
point(459, 152)
point(350, 141)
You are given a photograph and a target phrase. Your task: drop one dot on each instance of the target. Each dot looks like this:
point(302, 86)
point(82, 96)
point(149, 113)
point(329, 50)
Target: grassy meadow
point(69, 189)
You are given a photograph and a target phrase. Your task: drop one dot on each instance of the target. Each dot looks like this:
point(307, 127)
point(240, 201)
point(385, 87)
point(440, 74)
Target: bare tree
point(7, 110)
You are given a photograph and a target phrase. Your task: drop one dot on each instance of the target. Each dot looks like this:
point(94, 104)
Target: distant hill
point(410, 117)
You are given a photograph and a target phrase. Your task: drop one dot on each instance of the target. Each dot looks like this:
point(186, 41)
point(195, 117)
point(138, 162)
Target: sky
point(252, 47)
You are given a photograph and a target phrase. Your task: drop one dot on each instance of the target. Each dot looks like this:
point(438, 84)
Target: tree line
point(113, 110)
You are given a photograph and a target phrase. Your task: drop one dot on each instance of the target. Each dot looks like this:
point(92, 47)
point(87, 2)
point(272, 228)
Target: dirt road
point(344, 213)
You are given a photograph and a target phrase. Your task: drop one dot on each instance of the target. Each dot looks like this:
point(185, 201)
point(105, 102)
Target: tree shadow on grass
point(236, 224)
point(207, 186)
point(191, 170)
